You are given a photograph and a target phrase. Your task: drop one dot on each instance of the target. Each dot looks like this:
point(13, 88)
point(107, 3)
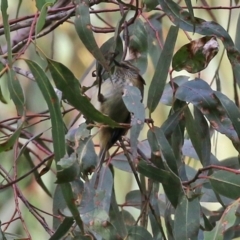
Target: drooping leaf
point(36, 173)
point(226, 183)
point(137, 232)
point(237, 36)
point(167, 96)
point(187, 219)
point(231, 109)
point(134, 198)
point(196, 55)
point(160, 76)
point(2, 98)
point(150, 4)
point(117, 217)
point(155, 37)
point(164, 148)
point(16, 92)
point(85, 33)
point(191, 13)
point(189, 151)
point(57, 130)
point(171, 183)
point(209, 28)
point(132, 99)
point(138, 45)
point(197, 138)
point(54, 108)
point(8, 144)
point(87, 156)
point(69, 85)
point(227, 220)
point(199, 93)
point(63, 228)
point(15, 89)
point(42, 16)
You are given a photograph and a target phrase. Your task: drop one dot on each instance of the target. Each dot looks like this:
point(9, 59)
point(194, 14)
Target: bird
point(107, 98)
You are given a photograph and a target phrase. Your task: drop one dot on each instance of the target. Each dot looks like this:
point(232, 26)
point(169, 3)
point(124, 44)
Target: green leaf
point(87, 156)
point(4, 7)
point(16, 92)
point(190, 9)
point(155, 36)
point(189, 150)
point(128, 218)
point(167, 96)
point(197, 138)
point(15, 89)
point(133, 198)
point(196, 55)
point(164, 148)
point(59, 202)
point(231, 109)
point(138, 233)
point(62, 229)
point(69, 85)
point(171, 183)
point(42, 17)
point(36, 173)
point(96, 198)
point(138, 44)
point(84, 31)
point(237, 36)
point(57, 130)
point(2, 98)
point(104, 183)
point(113, 45)
point(187, 219)
point(133, 101)
point(226, 184)
point(183, 19)
point(199, 93)
point(52, 101)
point(8, 144)
point(150, 4)
point(116, 217)
point(227, 220)
point(160, 76)
point(105, 231)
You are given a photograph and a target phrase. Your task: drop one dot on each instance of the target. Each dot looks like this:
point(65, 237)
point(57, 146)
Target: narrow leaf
point(16, 92)
point(187, 219)
point(227, 220)
point(42, 17)
point(52, 101)
point(138, 44)
point(83, 28)
point(69, 85)
point(167, 178)
point(132, 99)
point(160, 76)
point(226, 184)
point(62, 229)
point(164, 148)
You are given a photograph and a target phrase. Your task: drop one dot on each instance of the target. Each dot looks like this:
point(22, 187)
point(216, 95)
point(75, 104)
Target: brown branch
point(26, 174)
point(201, 170)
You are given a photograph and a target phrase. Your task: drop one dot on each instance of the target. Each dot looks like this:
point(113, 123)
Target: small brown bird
point(109, 102)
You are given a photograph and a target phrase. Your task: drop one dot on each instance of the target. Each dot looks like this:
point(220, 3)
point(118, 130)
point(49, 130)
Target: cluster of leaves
point(87, 206)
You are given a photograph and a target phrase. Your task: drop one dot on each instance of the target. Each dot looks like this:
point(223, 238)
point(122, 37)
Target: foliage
point(176, 173)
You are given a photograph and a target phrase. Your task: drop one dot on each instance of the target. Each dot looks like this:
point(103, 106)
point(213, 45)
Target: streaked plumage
point(110, 103)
